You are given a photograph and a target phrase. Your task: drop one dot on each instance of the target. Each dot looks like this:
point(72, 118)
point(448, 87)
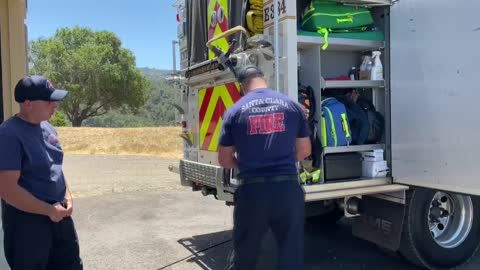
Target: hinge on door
point(323, 83)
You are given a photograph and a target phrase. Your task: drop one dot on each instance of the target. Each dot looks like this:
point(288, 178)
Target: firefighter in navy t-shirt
point(39, 232)
point(264, 135)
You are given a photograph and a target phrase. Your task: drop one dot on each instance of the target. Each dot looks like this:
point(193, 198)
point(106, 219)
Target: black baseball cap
point(249, 72)
point(37, 88)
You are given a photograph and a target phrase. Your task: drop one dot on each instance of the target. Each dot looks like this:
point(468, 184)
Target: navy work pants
point(279, 206)
point(34, 242)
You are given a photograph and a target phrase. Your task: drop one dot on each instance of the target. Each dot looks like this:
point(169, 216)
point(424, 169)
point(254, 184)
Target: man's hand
point(57, 212)
point(303, 148)
point(226, 156)
point(21, 199)
point(68, 204)
point(306, 111)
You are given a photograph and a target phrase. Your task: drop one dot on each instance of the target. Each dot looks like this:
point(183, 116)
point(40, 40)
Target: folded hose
point(254, 17)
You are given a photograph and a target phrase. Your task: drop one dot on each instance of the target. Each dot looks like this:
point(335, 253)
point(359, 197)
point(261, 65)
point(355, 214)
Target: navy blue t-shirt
point(263, 127)
point(35, 151)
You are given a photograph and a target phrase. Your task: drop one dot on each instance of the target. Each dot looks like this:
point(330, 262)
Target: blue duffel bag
point(335, 127)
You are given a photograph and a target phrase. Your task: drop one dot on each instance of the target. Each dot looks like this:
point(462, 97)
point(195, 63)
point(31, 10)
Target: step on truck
point(412, 185)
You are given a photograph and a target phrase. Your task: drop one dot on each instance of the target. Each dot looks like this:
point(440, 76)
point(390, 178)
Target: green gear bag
point(327, 17)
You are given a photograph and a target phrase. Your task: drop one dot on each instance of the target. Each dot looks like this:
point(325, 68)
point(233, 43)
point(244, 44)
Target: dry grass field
point(161, 141)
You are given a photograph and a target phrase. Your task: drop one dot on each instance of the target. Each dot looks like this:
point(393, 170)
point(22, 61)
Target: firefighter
point(39, 232)
point(264, 135)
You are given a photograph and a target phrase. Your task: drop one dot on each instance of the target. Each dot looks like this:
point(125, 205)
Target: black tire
point(418, 244)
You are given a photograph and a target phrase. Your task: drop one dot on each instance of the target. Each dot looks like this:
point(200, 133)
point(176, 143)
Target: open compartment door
point(435, 94)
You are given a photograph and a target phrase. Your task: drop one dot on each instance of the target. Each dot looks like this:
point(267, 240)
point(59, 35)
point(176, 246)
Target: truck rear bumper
point(195, 173)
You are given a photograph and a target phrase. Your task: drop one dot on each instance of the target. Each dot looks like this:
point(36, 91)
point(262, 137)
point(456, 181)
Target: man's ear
point(27, 104)
point(242, 90)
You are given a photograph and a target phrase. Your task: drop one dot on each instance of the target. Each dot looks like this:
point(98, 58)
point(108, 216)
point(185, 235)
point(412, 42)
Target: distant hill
point(153, 74)
point(158, 111)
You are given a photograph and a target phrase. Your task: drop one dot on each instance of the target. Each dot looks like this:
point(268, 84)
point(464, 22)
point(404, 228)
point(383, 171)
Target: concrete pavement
point(131, 213)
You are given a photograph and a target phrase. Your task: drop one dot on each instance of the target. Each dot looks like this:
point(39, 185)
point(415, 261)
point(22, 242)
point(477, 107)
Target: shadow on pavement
point(337, 248)
point(209, 251)
point(325, 248)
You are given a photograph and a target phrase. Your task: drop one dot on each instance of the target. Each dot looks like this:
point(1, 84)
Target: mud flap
point(380, 222)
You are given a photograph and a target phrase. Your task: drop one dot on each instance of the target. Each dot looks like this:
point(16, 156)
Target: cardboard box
point(364, 75)
point(375, 155)
point(374, 169)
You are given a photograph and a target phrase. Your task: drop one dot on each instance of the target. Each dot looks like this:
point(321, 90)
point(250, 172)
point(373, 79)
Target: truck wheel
point(441, 230)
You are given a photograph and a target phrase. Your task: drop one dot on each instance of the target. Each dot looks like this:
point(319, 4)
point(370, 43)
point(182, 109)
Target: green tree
point(157, 111)
point(99, 74)
point(59, 120)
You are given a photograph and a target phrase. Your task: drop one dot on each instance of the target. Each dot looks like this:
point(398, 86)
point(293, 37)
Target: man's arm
point(23, 200)
point(303, 145)
point(68, 201)
point(303, 148)
point(226, 156)
point(226, 147)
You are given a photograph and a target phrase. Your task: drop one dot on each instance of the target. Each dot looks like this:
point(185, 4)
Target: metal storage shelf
point(318, 196)
point(353, 84)
point(339, 44)
point(347, 184)
point(366, 2)
point(353, 148)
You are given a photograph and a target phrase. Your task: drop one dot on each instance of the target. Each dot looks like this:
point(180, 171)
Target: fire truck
point(415, 189)
point(13, 61)
point(13, 48)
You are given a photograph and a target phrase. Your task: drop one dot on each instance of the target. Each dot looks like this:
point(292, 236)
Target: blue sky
point(146, 27)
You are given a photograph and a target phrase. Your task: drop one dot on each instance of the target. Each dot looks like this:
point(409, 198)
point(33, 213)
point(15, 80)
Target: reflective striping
point(215, 119)
point(207, 94)
point(207, 117)
point(211, 6)
point(234, 91)
point(201, 96)
point(213, 102)
point(226, 97)
point(216, 134)
point(213, 144)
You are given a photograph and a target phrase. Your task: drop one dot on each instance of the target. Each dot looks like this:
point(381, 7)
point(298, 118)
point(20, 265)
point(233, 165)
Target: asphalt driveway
point(131, 213)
